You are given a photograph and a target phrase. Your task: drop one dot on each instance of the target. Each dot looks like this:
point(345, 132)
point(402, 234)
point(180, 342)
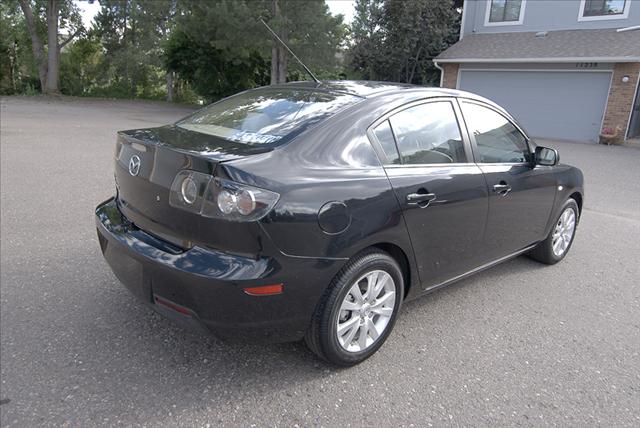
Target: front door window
point(497, 139)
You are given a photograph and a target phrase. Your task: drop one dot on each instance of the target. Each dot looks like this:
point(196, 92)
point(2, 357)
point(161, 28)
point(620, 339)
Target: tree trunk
point(278, 53)
point(170, 86)
point(177, 93)
point(133, 23)
point(36, 44)
point(275, 49)
point(282, 66)
point(274, 62)
point(53, 74)
point(278, 65)
point(415, 64)
point(12, 62)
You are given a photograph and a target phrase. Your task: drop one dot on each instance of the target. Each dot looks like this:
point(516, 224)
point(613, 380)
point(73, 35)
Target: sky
point(88, 10)
point(344, 7)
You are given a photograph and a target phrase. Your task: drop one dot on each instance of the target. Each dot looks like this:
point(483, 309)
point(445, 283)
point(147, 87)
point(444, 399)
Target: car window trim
point(384, 160)
point(377, 145)
point(429, 165)
point(497, 109)
point(472, 138)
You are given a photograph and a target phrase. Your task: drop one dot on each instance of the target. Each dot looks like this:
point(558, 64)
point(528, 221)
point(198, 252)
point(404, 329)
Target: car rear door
point(521, 194)
point(442, 193)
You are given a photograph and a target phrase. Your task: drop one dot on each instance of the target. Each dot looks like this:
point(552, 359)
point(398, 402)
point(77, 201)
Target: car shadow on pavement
point(492, 276)
point(169, 350)
point(116, 350)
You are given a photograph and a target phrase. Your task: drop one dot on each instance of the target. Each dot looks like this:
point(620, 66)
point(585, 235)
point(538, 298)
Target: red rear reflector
point(172, 306)
point(265, 290)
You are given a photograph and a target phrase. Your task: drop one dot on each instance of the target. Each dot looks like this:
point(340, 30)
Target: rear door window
point(428, 134)
point(384, 135)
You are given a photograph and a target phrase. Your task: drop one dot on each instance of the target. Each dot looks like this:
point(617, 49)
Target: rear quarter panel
point(334, 162)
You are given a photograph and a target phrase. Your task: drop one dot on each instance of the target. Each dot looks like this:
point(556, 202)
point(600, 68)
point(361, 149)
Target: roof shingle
point(573, 45)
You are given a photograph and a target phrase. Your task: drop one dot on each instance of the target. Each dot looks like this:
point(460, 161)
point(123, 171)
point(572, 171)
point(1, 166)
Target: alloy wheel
point(563, 232)
point(366, 311)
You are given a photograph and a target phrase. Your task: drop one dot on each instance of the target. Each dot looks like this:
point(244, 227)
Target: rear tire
point(556, 246)
point(352, 321)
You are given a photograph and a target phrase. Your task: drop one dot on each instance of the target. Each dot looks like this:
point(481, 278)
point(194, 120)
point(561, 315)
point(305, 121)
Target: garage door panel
point(561, 105)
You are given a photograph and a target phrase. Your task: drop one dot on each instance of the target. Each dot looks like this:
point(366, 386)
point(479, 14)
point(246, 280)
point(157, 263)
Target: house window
point(603, 7)
point(505, 10)
point(591, 10)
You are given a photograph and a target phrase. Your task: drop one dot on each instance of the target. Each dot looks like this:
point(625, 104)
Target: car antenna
point(313, 76)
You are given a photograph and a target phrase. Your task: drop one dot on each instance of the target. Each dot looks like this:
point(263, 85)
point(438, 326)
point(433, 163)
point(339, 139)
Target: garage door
point(549, 104)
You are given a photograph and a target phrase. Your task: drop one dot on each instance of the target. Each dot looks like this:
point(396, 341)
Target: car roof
point(384, 92)
point(360, 88)
point(369, 88)
point(378, 92)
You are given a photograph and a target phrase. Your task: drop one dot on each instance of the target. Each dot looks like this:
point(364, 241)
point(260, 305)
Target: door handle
point(502, 188)
point(420, 199)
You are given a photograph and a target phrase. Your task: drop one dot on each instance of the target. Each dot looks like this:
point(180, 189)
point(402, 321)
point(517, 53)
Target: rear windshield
point(266, 116)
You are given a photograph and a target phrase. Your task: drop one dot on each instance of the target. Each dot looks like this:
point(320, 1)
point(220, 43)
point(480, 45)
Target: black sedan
point(314, 210)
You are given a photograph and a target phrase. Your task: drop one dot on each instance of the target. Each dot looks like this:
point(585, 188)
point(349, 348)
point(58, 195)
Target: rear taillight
point(188, 189)
point(235, 201)
point(219, 198)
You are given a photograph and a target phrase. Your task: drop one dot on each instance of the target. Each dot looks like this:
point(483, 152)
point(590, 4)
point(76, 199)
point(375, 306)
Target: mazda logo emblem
point(134, 165)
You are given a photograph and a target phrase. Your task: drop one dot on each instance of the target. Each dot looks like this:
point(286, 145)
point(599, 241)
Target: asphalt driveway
point(520, 344)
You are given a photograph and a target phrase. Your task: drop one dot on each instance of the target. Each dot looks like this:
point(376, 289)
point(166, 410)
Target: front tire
point(557, 244)
point(357, 312)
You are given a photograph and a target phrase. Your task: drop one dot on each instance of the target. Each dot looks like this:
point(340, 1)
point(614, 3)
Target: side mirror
point(546, 156)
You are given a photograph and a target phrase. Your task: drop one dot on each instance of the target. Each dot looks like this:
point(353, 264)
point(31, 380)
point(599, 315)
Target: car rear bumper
point(204, 288)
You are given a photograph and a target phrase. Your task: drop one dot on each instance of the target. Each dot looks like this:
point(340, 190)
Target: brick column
point(450, 78)
point(621, 96)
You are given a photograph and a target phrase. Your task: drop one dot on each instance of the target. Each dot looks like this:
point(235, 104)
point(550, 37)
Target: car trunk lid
point(147, 162)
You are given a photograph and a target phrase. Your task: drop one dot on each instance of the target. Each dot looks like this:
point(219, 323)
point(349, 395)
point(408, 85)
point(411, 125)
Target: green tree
point(146, 48)
point(80, 66)
point(16, 60)
point(213, 72)
point(213, 47)
point(56, 16)
point(310, 31)
point(397, 40)
point(132, 34)
point(222, 47)
point(367, 37)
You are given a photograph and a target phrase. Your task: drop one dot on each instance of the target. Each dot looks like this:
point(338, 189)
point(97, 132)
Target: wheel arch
point(577, 196)
point(401, 257)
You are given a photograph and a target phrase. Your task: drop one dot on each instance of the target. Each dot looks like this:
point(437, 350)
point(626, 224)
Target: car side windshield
point(266, 116)
point(497, 139)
